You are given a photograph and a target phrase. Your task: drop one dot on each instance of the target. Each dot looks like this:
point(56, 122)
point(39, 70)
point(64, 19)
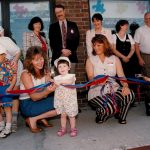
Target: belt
point(144, 53)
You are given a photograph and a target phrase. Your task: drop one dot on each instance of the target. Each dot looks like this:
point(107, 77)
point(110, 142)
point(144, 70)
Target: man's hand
point(66, 52)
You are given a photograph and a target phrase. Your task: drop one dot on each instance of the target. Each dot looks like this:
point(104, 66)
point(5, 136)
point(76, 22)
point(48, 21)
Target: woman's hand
point(125, 91)
point(125, 59)
point(51, 88)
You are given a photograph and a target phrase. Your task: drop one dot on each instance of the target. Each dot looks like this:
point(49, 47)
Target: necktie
point(64, 34)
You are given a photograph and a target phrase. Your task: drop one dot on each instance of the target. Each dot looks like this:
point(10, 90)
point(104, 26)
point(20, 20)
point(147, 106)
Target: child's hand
point(8, 89)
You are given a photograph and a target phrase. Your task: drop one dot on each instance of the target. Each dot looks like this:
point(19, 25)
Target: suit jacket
point(72, 40)
point(91, 33)
point(30, 39)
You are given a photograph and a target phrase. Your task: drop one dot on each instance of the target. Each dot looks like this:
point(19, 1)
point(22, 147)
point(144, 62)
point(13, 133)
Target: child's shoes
point(73, 132)
point(61, 132)
point(1, 128)
point(5, 132)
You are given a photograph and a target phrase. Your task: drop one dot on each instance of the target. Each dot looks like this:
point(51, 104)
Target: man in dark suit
point(64, 37)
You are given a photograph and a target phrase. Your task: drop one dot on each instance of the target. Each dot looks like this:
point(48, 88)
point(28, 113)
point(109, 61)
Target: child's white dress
point(65, 99)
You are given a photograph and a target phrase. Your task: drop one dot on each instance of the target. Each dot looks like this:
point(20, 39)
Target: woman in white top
point(38, 105)
point(109, 96)
point(98, 29)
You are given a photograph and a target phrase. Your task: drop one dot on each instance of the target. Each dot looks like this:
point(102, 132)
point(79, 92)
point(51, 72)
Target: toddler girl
point(65, 99)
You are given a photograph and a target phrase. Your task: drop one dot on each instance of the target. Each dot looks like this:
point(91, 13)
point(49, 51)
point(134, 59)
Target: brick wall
point(78, 11)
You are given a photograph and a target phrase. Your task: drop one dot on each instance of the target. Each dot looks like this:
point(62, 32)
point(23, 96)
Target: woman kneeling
point(109, 96)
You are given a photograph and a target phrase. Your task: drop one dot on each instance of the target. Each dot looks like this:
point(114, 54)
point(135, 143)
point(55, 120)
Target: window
point(114, 10)
point(16, 14)
point(21, 14)
point(0, 15)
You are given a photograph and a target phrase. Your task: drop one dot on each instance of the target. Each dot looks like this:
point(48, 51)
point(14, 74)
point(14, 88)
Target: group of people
point(106, 56)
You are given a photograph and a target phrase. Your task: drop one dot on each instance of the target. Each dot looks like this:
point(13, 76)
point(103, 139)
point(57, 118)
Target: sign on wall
point(112, 11)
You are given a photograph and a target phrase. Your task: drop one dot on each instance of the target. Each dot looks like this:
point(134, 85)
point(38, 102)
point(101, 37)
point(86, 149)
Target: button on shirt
point(142, 36)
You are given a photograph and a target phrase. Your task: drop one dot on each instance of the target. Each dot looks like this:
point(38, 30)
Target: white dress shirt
point(142, 37)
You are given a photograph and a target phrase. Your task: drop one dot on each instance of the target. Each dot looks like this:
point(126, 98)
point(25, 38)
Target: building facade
point(15, 16)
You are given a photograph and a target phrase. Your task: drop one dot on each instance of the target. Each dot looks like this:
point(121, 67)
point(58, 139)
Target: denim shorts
point(6, 100)
point(30, 108)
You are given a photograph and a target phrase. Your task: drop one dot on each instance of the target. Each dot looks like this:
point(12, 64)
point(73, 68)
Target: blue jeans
point(30, 108)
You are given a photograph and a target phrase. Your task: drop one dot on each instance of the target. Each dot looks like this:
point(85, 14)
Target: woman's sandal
point(44, 123)
point(73, 132)
point(61, 132)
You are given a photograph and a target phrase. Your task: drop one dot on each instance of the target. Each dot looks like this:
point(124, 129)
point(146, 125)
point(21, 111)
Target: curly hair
point(30, 55)
point(107, 47)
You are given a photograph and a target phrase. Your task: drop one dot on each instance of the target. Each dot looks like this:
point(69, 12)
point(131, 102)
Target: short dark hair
point(102, 39)
point(62, 61)
point(121, 23)
point(134, 26)
point(59, 6)
point(35, 20)
point(97, 16)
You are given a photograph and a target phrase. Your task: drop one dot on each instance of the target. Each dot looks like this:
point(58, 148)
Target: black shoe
point(133, 105)
point(116, 116)
point(97, 120)
point(122, 121)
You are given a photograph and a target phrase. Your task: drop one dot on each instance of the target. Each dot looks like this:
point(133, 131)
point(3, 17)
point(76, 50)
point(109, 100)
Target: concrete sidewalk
point(107, 136)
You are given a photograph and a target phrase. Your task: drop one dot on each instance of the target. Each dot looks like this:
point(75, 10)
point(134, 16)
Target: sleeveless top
point(108, 67)
point(123, 47)
point(36, 82)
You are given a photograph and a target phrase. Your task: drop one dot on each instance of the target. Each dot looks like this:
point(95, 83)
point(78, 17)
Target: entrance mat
point(141, 148)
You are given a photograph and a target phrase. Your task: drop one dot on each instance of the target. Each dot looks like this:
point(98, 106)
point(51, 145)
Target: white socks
point(8, 125)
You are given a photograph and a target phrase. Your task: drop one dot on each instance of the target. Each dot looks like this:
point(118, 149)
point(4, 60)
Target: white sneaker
point(5, 132)
point(1, 128)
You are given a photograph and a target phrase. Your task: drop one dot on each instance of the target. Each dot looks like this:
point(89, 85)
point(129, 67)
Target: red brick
point(78, 11)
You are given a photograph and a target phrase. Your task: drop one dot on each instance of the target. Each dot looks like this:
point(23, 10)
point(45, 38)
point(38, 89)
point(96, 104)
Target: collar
point(65, 21)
